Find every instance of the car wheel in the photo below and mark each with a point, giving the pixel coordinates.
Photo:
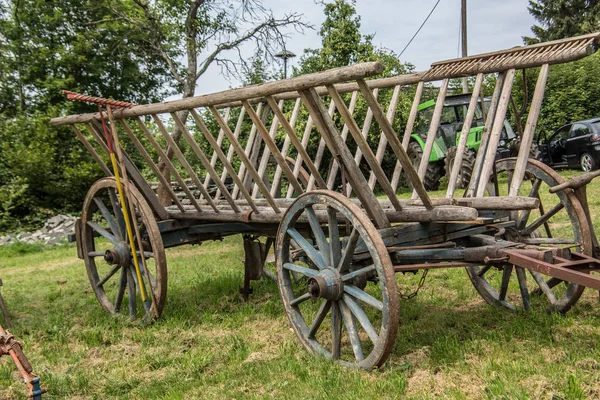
(587, 162)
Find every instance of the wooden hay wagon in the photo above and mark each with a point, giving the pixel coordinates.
(295, 162)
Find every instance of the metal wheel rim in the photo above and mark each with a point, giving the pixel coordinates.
(88, 246)
(578, 222)
(386, 333)
(586, 162)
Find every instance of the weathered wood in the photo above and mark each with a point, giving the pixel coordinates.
(166, 184)
(529, 133)
(298, 162)
(236, 134)
(249, 144)
(464, 134)
(204, 160)
(265, 157)
(92, 151)
(410, 123)
(287, 141)
(213, 158)
(303, 82)
(168, 163)
(335, 166)
(374, 163)
(186, 165)
(432, 133)
(339, 150)
(301, 151)
(244, 157)
(279, 158)
(395, 144)
(490, 154)
(382, 139)
(365, 132)
(485, 135)
(320, 151)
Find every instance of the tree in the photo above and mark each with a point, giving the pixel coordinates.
(190, 36)
(563, 18)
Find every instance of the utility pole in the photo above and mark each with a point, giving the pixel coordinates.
(463, 30)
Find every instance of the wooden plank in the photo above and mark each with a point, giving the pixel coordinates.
(339, 150)
(244, 158)
(204, 160)
(395, 144)
(163, 156)
(382, 139)
(529, 133)
(264, 158)
(410, 123)
(226, 163)
(166, 184)
(432, 133)
(364, 146)
(490, 154)
(485, 136)
(464, 135)
(296, 142)
(287, 141)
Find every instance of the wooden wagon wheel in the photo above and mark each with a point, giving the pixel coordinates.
(560, 221)
(108, 257)
(361, 299)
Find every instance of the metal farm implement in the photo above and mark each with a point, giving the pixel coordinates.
(523, 233)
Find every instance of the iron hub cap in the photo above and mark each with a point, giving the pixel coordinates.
(327, 284)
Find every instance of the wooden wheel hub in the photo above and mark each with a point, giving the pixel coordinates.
(326, 285)
(118, 255)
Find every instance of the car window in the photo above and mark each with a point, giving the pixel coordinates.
(596, 126)
(562, 133)
(579, 130)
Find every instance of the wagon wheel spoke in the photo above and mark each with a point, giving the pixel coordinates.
(358, 272)
(131, 289)
(121, 290)
(363, 296)
(334, 236)
(362, 318)
(352, 330)
(317, 231)
(96, 253)
(118, 212)
(112, 223)
(506, 273)
(300, 269)
(522, 278)
(543, 286)
(319, 318)
(103, 232)
(524, 215)
(546, 225)
(310, 251)
(483, 270)
(336, 331)
(542, 220)
(349, 251)
(113, 271)
(301, 299)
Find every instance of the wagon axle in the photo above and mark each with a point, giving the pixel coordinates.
(327, 284)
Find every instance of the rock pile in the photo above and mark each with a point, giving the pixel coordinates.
(54, 231)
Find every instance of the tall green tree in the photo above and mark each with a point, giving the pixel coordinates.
(559, 19)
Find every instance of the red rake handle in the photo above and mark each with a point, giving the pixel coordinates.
(97, 100)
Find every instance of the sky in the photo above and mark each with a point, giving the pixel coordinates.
(492, 25)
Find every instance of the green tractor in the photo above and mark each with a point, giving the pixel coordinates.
(446, 141)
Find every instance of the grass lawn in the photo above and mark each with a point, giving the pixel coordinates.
(211, 344)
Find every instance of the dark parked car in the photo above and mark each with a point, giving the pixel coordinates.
(576, 145)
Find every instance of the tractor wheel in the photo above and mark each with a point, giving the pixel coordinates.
(434, 170)
(466, 169)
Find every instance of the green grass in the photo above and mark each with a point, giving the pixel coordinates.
(211, 344)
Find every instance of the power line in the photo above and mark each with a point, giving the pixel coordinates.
(419, 30)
